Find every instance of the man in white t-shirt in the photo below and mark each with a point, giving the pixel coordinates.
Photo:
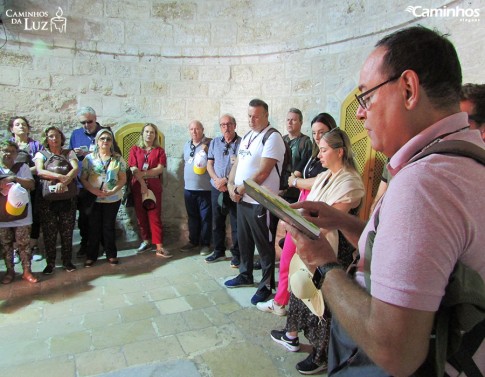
(255, 225)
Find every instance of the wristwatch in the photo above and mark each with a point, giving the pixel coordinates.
(321, 271)
(295, 181)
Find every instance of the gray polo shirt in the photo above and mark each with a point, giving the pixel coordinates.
(192, 181)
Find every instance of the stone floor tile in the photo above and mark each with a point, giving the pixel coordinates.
(138, 311)
(220, 296)
(215, 316)
(95, 320)
(23, 350)
(169, 324)
(185, 289)
(69, 344)
(52, 367)
(198, 301)
(58, 326)
(162, 293)
(124, 333)
(256, 362)
(100, 361)
(196, 319)
(153, 350)
(173, 305)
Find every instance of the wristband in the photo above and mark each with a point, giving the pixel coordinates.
(321, 271)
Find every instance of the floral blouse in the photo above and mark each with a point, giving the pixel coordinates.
(104, 174)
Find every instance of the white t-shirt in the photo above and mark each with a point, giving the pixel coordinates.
(249, 156)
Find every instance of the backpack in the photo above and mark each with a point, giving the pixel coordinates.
(61, 165)
(286, 168)
(459, 326)
(4, 215)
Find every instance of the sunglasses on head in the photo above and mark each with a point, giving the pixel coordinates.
(86, 121)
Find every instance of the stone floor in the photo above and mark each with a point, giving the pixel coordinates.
(148, 316)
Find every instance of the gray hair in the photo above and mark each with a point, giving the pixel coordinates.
(86, 110)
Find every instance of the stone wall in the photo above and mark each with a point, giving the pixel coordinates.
(168, 62)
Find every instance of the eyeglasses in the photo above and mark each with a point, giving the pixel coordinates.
(192, 149)
(363, 102)
(83, 122)
(226, 124)
(105, 139)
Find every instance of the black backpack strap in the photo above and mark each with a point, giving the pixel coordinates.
(16, 167)
(454, 147)
(265, 137)
(462, 360)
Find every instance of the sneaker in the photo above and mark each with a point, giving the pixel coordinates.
(82, 252)
(235, 262)
(113, 261)
(16, 259)
(204, 250)
(215, 257)
(89, 263)
(48, 270)
(69, 267)
(257, 265)
(307, 366)
(237, 282)
(163, 253)
(188, 247)
(144, 246)
(36, 255)
(271, 307)
(260, 295)
(279, 336)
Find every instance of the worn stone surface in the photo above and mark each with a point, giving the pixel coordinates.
(169, 62)
(144, 317)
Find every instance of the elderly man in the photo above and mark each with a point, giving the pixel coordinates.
(222, 155)
(197, 190)
(255, 225)
(301, 149)
(428, 220)
(82, 142)
(473, 102)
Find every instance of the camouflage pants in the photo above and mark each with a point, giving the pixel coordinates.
(21, 236)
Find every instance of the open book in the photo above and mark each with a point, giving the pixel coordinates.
(281, 208)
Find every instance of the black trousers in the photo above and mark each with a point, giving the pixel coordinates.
(256, 226)
(102, 221)
(219, 225)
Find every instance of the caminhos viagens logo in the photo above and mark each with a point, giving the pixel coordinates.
(464, 14)
(38, 21)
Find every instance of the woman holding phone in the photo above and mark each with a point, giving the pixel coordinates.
(103, 175)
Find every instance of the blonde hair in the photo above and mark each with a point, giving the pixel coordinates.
(141, 142)
(337, 138)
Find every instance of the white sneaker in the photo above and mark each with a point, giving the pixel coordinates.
(16, 259)
(271, 307)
